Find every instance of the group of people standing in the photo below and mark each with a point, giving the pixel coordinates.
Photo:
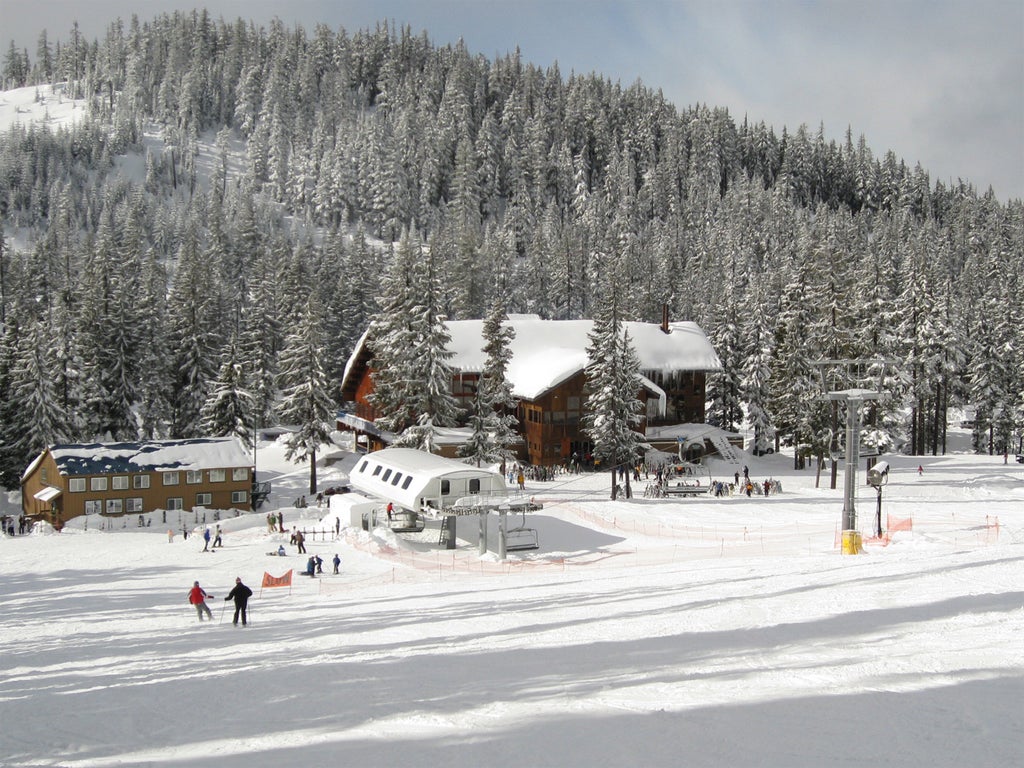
(198, 596)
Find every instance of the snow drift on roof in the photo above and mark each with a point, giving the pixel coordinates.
(150, 456)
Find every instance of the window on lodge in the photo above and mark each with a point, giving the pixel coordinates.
(446, 487)
(464, 387)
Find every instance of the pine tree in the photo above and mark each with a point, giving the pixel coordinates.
(31, 387)
(756, 371)
(228, 411)
(493, 419)
(193, 338)
(305, 400)
(413, 381)
(613, 408)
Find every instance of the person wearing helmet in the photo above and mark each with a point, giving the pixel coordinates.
(197, 596)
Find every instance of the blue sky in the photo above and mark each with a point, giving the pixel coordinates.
(939, 82)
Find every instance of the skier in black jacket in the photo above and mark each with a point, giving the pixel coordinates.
(240, 594)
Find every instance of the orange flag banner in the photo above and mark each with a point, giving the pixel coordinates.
(277, 581)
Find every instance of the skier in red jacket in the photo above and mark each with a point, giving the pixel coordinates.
(197, 596)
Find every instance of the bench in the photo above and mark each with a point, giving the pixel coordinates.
(685, 490)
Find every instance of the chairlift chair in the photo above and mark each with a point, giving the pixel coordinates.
(521, 538)
(405, 521)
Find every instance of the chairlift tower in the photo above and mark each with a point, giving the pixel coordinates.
(854, 398)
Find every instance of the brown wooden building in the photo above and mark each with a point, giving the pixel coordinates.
(116, 479)
(547, 373)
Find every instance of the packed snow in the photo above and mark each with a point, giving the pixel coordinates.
(645, 632)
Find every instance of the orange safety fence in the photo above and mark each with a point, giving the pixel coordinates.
(894, 524)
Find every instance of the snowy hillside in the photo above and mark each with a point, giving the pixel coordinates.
(698, 632)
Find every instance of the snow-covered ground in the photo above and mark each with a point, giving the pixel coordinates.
(695, 632)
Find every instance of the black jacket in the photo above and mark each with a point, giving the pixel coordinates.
(240, 593)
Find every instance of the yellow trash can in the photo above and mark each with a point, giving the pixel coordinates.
(852, 543)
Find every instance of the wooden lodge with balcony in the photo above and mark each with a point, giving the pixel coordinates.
(547, 373)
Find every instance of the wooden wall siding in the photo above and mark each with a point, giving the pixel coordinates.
(550, 425)
(71, 504)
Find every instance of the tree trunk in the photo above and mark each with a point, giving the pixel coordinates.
(312, 473)
(614, 487)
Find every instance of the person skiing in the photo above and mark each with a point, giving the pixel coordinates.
(240, 594)
(206, 540)
(300, 542)
(216, 539)
(197, 596)
(319, 563)
(336, 561)
(310, 568)
(280, 551)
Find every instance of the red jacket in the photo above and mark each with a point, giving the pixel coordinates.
(197, 595)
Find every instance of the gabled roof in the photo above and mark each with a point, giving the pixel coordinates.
(150, 456)
(546, 353)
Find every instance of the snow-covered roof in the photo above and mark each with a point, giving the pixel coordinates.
(547, 352)
(150, 456)
(406, 475)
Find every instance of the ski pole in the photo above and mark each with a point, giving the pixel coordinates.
(222, 608)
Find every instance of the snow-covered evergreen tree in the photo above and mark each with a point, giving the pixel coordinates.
(493, 419)
(305, 401)
(413, 381)
(40, 420)
(228, 411)
(194, 339)
(613, 409)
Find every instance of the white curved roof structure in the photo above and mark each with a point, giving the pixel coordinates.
(413, 479)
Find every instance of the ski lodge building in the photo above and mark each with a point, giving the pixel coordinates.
(547, 374)
(116, 479)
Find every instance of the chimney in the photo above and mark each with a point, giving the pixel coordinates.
(664, 318)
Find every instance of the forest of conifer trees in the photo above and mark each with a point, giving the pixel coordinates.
(282, 169)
